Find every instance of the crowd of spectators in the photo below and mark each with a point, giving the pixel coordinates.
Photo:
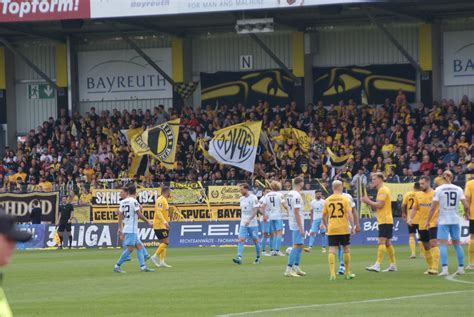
(75, 154)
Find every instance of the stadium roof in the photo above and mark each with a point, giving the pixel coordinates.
(302, 18)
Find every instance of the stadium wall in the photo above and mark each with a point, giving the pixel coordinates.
(363, 45)
(455, 92)
(101, 44)
(32, 112)
(221, 52)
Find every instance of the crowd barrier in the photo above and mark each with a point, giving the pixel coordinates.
(196, 234)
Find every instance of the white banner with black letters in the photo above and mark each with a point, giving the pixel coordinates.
(123, 75)
(458, 58)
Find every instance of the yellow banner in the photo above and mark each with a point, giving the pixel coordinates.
(224, 194)
(397, 190)
(195, 212)
(111, 197)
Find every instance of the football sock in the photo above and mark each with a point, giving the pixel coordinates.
(160, 249)
(311, 241)
(331, 262)
(298, 256)
(411, 243)
(340, 253)
(380, 253)
(347, 262)
(140, 257)
(443, 250)
(324, 240)
(429, 259)
(459, 254)
(435, 254)
(257, 249)
(240, 249)
(125, 254)
(471, 251)
(278, 240)
(391, 254)
(163, 252)
(264, 244)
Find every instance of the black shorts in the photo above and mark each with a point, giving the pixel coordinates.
(64, 226)
(471, 226)
(427, 235)
(413, 228)
(162, 233)
(339, 239)
(386, 230)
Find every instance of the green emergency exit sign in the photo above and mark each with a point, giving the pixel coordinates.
(40, 91)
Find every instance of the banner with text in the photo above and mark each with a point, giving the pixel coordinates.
(36, 10)
(123, 8)
(202, 233)
(20, 205)
(458, 58)
(123, 75)
(224, 194)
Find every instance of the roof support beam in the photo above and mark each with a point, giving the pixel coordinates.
(275, 58)
(394, 41)
(140, 52)
(35, 68)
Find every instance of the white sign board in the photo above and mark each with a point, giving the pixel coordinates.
(458, 58)
(121, 8)
(245, 62)
(123, 75)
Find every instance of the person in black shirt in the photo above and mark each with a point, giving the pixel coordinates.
(65, 215)
(36, 213)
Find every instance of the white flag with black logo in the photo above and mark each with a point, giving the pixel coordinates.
(237, 145)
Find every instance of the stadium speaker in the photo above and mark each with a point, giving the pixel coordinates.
(330, 10)
(72, 24)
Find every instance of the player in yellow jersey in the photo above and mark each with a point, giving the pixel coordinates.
(421, 208)
(337, 216)
(407, 206)
(469, 193)
(161, 226)
(383, 207)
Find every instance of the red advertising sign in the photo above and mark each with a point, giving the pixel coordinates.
(43, 10)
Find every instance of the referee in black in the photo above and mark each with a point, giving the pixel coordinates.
(66, 210)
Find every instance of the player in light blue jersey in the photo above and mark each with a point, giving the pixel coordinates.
(316, 217)
(265, 226)
(273, 204)
(129, 213)
(447, 198)
(145, 251)
(296, 224)
(248, 223)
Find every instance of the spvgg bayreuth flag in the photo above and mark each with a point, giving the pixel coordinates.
(162, 141)
(237, 145)
(159, 141)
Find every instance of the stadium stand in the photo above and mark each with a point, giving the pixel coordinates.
(401, 140)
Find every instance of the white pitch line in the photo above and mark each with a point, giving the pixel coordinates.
(376, 300)
(452, 278)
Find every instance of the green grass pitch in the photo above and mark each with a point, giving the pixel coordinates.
(205, 282)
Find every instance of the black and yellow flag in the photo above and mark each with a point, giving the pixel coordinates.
(159, 142)
(302, 138)
(140, 166)
(338, 161)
